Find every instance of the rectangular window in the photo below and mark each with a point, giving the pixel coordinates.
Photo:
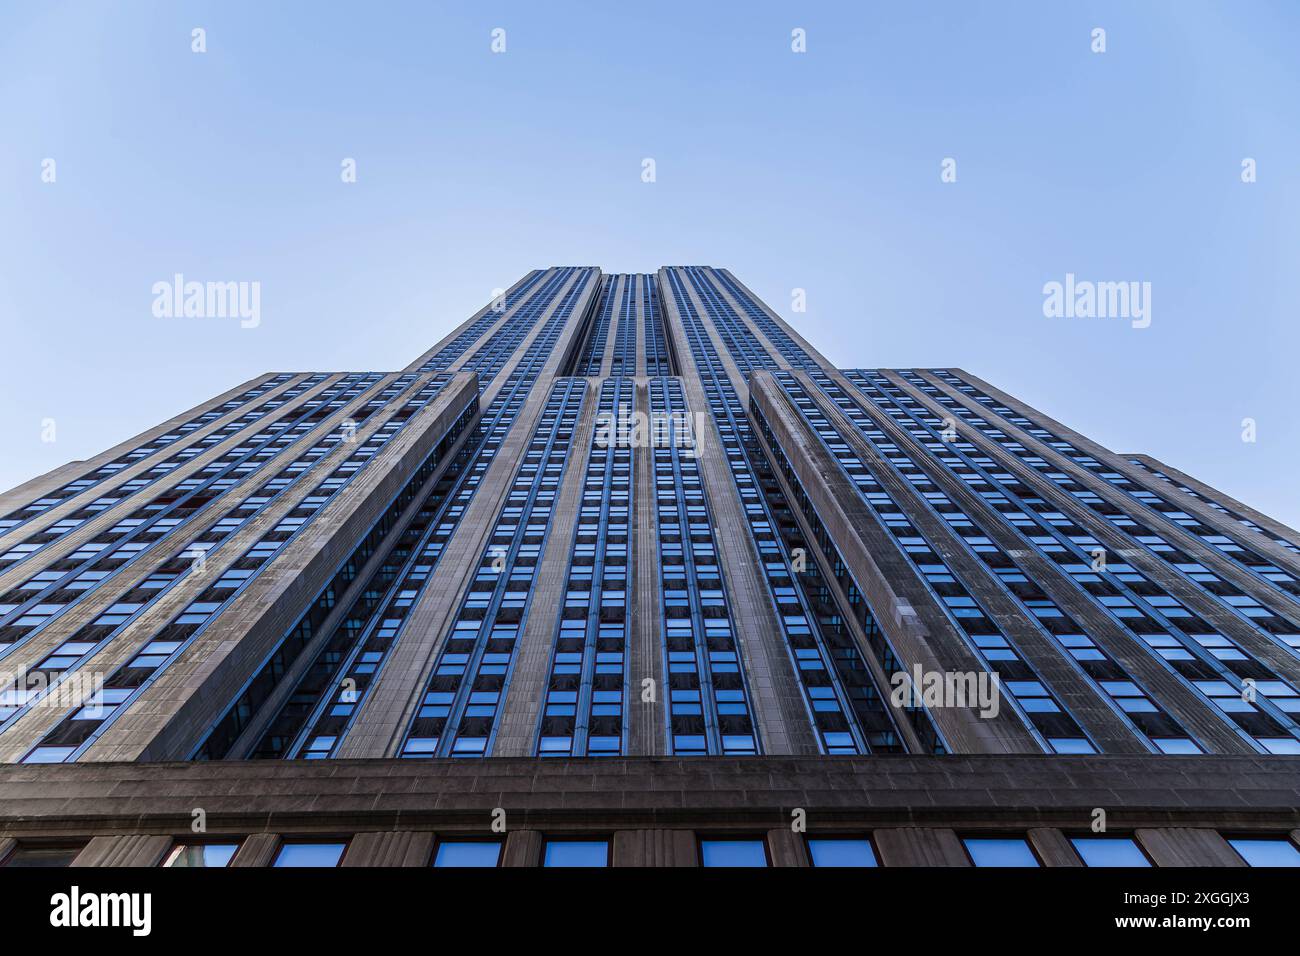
(49, 755)
(466, 853)
(1266, 851)
(576, 853)
(735, 852)
(1109, 851)
(201, 854)
(1000, 851)
(310, 854)
(841, 851)
(43, 855)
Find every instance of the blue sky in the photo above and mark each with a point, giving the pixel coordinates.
(818, 171)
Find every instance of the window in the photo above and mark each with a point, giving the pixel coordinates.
(576, 853)
(1266, 851)
(310, 854)
(468, 853)
(733, 853)
(1000, 851)
(49, 755)
(45, 855)
(1109, 851)
(201, 854)
(1176, 745)
(826, 851)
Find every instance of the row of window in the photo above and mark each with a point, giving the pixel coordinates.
(656, 349)
(708, 700)
(623, 359)
(1096, 851)
(1129, 699)
(492, 356)
(912, 711)
(450, 353)
(80, 727)
(1038, 705)
(200, 547)
(844, 705)
(1255, 564)
(635, 288)
(319, 713)
(714, 851)
(250, 701)
(593, 354)
(1217, 506)
(1211, 663)
(35, 603)
(466, 691)
(71, 489)
(42, 539)
(583, 713)
(1203, 661)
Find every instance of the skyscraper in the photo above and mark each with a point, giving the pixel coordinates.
(624, 571)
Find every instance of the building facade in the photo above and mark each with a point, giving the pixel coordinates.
(623, 570)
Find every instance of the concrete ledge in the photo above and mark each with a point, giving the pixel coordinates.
(838, 793)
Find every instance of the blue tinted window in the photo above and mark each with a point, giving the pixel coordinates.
(201, 854)
(1177, 745)
(1109, 851)
(310, 854)
(733, 853)
(1267, 852)
(49, 755)
(1000, 852)
(467, 853)
(1072, 745)
(841, 852)
(577, 853)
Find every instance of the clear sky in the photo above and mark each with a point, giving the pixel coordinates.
(818, 171)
